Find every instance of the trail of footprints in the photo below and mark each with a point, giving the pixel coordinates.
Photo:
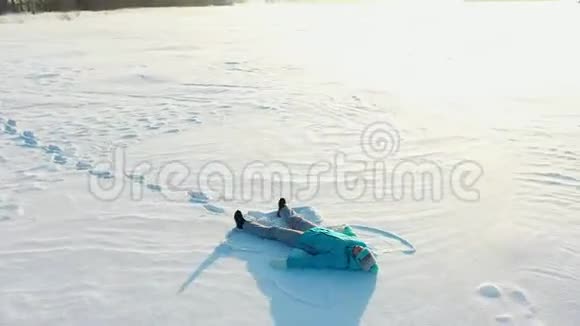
(29, 139)
(513, 305)
(58, 156)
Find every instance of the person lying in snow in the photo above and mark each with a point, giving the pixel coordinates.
(319, 247)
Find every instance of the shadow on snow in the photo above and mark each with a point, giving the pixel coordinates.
(297, 297)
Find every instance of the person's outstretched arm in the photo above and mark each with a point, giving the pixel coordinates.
(303, 259)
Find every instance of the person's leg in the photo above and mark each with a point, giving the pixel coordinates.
(299, 223)
(287, 236)
(295, 222)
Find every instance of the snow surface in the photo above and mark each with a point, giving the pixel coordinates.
(177, 90)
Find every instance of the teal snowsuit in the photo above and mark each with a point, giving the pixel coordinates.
(324, 248)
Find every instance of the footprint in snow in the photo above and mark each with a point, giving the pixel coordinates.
(214, 209)
(154, 187)
(135, 177)
(489, 290)
(83, 165)
(10, 130)
(10, 127)
(30, 142)
(8, 211)
(129, 136)
(101, 174)
(198, 197)
(27, 137)
(520, 310)
(59, 159)
(53, 149)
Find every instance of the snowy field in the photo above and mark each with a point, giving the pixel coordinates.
(128, 138)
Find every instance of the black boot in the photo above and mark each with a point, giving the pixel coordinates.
(281, 204)
(239, 218)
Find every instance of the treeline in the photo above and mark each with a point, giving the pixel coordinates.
(34, 6)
